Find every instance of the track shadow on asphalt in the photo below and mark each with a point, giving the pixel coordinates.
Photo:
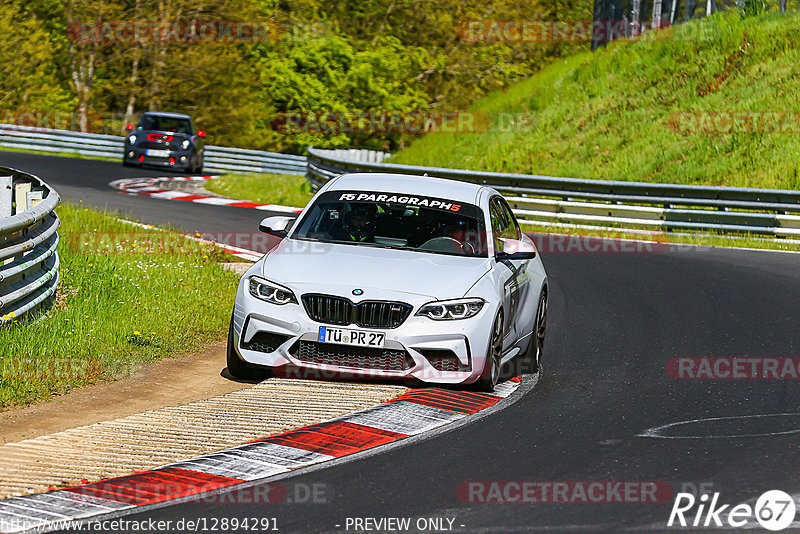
(228, 376)
(507, 372)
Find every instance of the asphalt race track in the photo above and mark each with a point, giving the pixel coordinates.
(615, 321)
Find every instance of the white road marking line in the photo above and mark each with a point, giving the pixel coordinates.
(657, 432)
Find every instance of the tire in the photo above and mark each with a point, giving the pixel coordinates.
(195, 164)
(241, 369)
(491, 369)
(532, 360)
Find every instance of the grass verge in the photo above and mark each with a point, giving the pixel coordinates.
(712, 101)
(127, 296)
(283, 189)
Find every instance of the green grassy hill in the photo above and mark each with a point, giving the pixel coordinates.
(665, 108)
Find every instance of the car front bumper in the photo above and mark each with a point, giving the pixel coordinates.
(445, 352)
(176, 158)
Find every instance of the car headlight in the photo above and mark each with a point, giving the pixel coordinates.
(185, 144)
(447, 310)
(132, 138)
(270, 291)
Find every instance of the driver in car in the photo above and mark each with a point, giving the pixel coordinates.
(462, 237)
(359, 223)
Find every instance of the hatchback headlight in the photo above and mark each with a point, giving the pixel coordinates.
(447, 310)
(132, 138)
(185, 144)
(270, 291)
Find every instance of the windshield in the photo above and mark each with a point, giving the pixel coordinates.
(166, 124)
(395, 220)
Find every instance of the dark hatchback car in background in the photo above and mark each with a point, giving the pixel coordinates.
(164, 140)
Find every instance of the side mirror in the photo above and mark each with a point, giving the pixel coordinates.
(201, 133)
(514, 249)
(277, 226)
(129, 127)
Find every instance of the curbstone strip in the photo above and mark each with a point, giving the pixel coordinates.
(151, 187)
(412, 413)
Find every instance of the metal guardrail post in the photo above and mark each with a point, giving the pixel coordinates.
(28, 244)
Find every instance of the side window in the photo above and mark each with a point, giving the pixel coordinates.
(512, 229)
(496, 215)
(503, 223)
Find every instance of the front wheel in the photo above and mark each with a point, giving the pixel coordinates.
(491, 369)
(532, 360)
(241, 369)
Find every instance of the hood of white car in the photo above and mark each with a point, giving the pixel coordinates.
(312, 267)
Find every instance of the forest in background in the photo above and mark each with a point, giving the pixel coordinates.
(69, 64)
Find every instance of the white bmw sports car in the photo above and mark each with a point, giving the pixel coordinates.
(394, 276)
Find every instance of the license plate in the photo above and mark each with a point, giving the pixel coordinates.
(346, 336)
(156, 153)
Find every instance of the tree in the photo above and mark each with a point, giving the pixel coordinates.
(335, 55)
(29, 75)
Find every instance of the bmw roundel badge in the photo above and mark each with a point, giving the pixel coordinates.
(358, 292)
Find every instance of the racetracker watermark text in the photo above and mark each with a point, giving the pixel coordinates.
(175, 32)
(564, 492)
(30, 370)
(735, 122)
(159, 243)
(48, 120)
(386, 122)
(151, 242)
(733, 368)
(574, 31)
(561, 243)
(126, 491)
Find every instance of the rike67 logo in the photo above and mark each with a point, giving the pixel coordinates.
(774, 510)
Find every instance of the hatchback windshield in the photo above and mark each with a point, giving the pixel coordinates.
(166, 124)
(395, 220)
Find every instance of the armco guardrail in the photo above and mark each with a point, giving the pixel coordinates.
(216, 158)
(28, 243)
(546, 199)
(358, 155)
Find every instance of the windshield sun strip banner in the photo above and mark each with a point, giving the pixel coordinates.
(404, 199)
